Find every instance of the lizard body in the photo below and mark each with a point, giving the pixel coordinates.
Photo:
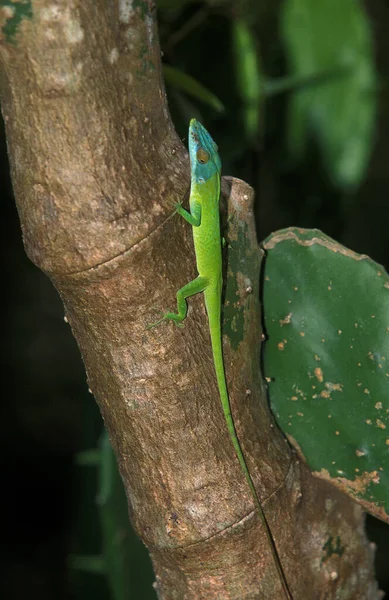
(204, 217)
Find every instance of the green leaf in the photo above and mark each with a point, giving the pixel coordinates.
(280, 85)
(89, 564)
(340, 114)
(191, 86)
(326, 313)
(248, 75)
(88, 458)
(126, 559)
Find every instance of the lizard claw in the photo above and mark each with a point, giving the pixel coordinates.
(166, 317)
(176, 206)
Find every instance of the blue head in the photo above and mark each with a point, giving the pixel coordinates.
(204, 158)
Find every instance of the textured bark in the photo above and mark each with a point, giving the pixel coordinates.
(96, 166)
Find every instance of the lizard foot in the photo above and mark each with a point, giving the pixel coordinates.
(167, 317)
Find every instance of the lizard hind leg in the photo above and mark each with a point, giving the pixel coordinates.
(190, 289)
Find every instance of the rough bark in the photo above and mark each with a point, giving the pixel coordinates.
(96, 166)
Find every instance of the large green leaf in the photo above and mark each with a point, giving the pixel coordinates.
(326, 313)
(320, 37)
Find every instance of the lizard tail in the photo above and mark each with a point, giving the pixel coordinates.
(216, 340)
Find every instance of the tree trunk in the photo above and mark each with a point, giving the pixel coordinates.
(96, 168)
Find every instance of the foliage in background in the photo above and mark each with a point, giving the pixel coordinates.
(331, 80)
(185, 83)
(331, 37)
(120, 546)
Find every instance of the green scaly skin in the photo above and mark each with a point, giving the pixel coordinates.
(205, 220)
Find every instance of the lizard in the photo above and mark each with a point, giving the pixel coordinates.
(204, 217)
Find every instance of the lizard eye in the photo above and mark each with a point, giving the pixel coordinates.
(202, 156)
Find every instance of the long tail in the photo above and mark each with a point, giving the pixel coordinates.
(216, 340)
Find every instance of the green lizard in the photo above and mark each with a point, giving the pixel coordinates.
(204, 217)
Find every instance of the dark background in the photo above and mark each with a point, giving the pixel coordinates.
(47, 501)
